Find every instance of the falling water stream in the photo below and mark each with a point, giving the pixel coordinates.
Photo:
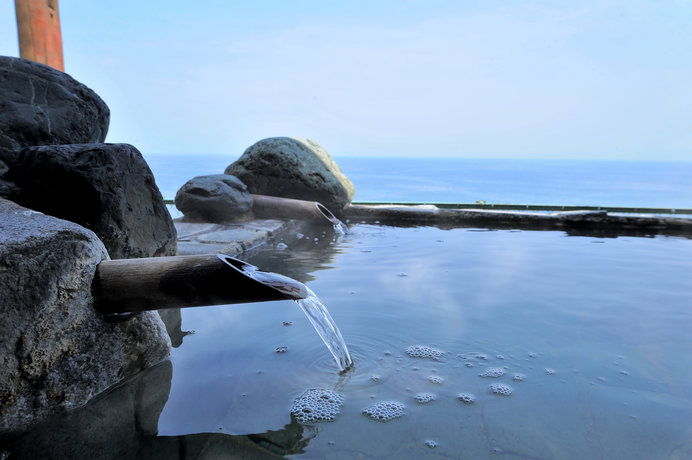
(313, 308)
(327, 329)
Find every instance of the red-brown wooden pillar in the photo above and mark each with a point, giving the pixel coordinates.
(38, 27)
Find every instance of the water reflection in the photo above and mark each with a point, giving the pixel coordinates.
(123, 423)
(299, 253)
(174, 321)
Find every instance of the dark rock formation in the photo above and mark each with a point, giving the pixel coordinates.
(107, 188)
(56, 351)
(214, 198)
(7, 189)
(42, 106)
(293, 168)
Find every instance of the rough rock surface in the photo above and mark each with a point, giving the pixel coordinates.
(215, 198)
(41, 106)
(107, 188)
(7, 189)
(293, 168)
(56, 351)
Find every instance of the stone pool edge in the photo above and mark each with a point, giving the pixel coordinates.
(586, 222)
(238, 238)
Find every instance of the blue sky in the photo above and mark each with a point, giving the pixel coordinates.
(476, 78)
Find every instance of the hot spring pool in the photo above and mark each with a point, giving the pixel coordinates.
(591, 335)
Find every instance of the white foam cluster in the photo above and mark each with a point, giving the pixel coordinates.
(466, 398)
(424, 398)
(317, 405)
(492, 372)
(437, 380)
(501, 389)
(424, 351)
(385, 411)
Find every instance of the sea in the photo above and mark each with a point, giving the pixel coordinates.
(653, 184)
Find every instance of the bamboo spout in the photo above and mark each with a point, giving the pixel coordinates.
(134, 285)
(288, 208)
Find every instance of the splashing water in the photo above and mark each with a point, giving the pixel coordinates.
(327, 329)
(340, 228)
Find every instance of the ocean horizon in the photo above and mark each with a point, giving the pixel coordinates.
(655, 184)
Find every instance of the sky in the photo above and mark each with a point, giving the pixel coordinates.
(435, 78)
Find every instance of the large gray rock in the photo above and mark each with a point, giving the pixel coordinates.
(56, 351)
(107, 188)
(214, 198)
(40, 106)
(293, 168)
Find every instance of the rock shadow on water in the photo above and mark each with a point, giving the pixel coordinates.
(123, 423)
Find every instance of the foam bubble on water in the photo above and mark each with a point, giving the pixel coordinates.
(317, 405)
(375, 378)
(385, 411)
(549, 371)
(466, 398)
(299, 236)
(492, 372)
(281, 246)
(518, 377)
(437, 380)
(431, 444)
(533, 354)
(281, 349)
(424, 398)
(424, 351)
(501, 389)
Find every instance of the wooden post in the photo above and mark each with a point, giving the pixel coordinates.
(38, 28)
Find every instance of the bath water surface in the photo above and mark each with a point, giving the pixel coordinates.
(466, 343)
